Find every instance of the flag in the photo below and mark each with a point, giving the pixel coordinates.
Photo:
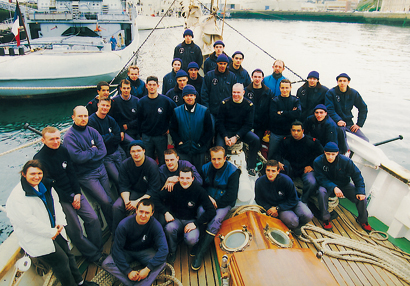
(16, 24)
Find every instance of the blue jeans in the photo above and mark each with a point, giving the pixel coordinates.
(274, 141)
(90, 246)
(142, 256)
(156, 144)
(296, 217)
(174, 230)
(97, 185)
(215, 224)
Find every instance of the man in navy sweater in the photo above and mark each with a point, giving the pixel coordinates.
(111, 134)
(188, 51)
(236, 67)
(139, 237)
(60, 168)
(154, 114)
(234, 123)
(276, 193)
(87, 150)
(333, 174)
(176, 93)
(169, 79)
(139, 179)
(180, 210)
(169, 172)
(103, 91)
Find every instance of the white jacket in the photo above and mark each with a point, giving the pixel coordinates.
(31, 221)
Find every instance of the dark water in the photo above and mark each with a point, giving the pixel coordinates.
(377, 58)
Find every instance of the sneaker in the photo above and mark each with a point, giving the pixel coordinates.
(365, 226)
(252, 172)
(171, 258)
(327, 225)
(100, 261)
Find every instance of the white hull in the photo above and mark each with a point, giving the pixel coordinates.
(150, 22)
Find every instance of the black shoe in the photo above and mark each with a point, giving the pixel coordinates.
(171, 258)
(297, 231)
(100, 261)
(89, 283)
(193, 250)
(207, 239)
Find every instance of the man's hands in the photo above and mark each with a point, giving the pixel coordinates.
(338, 192)
(170, 183)
(139, 275)
(213, 202)
(76, 202)
(190, 226)
(230, 141)
(131, 205)
(59, 229)
(273, 212)
(354, 128)
(308, 169)
(341, 123)
(169, 217)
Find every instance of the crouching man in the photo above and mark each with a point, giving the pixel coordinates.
(276, 193)
(139, 237)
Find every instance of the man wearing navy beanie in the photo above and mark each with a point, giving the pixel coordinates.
(176, 93)
(321, 126)
(188, 51)
(195, 79)
(210, 62)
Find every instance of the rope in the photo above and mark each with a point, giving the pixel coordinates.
(171, 278)
(253, 43)
(245, 208)
(146, 39)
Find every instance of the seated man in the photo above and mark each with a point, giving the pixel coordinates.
(181, 209)
(169, 79)
(299, 151)
(139, 179)
(221, 181)
(60, 168)
(321, 126)
(87, 150)
(176, 93)
(139, 237)
(333, 174)
(111, 134)
(169, 172)
(191, 128)
(235, 121)
(276, 193)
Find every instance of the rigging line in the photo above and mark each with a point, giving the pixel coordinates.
(230, 26)
(146, 39)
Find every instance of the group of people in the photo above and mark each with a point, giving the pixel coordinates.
(173, 193)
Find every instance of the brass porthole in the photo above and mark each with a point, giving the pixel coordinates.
(236, 240)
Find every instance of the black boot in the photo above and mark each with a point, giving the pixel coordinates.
(202, 248)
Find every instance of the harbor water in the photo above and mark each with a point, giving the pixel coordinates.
(376, 57)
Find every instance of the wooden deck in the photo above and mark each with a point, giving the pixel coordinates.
(345, 273)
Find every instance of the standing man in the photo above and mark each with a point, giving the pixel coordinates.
(217, 86)
(87, 150)
(137, 85)
(169, 80)
(57, 162)
(221, 182)
(340, 101)
(195, 79)
(103, 91)
(276, 193)
(334, 173)
(311, 94)
(139, 179)
(180, 211)
(139, 237)
(113, 42)
(299, 151)
(111, 134)
(191, 128)
(321, 126)
(169, 172)
(261, 96)
(124, 111)
(235, 121)
(211, 61)
(236, 67)
(188, 51)
(176, 93)
(273, 81)
(283, 110)
(155, 112)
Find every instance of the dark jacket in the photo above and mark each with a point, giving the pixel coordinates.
(109, 130)
(210, 62)
(188, 53)
(241, 74)
(175, 94)
(261, 118)
(280, 124)
(138, 88)
(325, 130)
(309, 98)
(169, 81)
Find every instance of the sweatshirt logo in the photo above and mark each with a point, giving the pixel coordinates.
(64, 164)
(250, 95)
(176, 98)
(160, 110)
(280, 193)
(181, 50)
(214, 81)
(337, 98)
(303, 92)
(144, 238)
(133, 110)
(191, 204)
(145, 179)
(92, 142)
(326, 168)
(110, 129)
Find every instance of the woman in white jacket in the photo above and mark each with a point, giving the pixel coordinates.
(35, 212)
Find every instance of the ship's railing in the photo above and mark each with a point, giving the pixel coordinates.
(62, 16)
(5, 5)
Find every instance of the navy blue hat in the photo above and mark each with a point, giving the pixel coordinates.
(331, 147)
(343, 75)
(321, 106)
(189, 33)
(188, 89)
(176, 59)
(137, 143)
(222, 58)
(258, 70)
(238, 53)
(219, 43)
(181, 73)
(193, 65)
(313, 74)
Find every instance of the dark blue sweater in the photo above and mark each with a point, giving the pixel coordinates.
(125, 111)
(280, 193)
(280, 124)
(109, 130)
(325, 130)
(261, 103)
(154, 115)
(175, 94)
(188, 53)
(309, 98)
(169, 81)
(241, 75)
(131, 236)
